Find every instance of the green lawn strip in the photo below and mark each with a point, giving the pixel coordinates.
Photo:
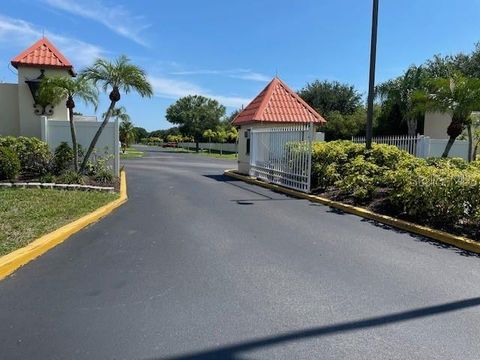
(26, 214)
(131, 153)
(212, 154)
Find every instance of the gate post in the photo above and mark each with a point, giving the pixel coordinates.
(310, 140)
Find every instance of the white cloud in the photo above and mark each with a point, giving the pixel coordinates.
(243, 74)
(23, 33)
(116, 18)
(173, 89)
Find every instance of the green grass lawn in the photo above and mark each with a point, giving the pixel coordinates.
(131, 153)
(212, 154)
(26, 214)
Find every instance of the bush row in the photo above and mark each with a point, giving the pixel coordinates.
(32, 158)
(435, 191)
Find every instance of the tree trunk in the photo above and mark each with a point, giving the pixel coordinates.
(470, 142)
(97, 136)
(73, 133)
(454, 130)
(450, 142)
(412, 126)
(197, 146)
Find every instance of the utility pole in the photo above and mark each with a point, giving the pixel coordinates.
(371, 83)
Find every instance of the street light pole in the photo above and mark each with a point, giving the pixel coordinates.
(371, 83)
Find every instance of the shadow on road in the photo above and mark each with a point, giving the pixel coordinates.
(233, 352)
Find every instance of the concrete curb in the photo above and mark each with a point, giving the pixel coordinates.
(11, 262)
(441, 236)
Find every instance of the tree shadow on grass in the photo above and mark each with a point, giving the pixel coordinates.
(234, 351)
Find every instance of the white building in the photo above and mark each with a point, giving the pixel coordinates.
(20, 115)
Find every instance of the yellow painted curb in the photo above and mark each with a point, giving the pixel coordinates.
(444, 237)
(11, 262)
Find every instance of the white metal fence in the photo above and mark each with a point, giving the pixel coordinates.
(420, 146)
(283, 155)
(403, 142)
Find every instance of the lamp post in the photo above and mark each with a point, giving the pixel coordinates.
(34, 86)
(371, 83)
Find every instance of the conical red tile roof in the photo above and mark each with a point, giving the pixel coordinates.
(42, 54)
(278, 103)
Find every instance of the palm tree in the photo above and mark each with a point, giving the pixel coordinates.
(209, 134)
(116, 76)
(401, 92)
(119, 113)
(458, 95)
(60, 88)
(127, 134)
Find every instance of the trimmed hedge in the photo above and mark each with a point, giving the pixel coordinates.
(443, 192)
(9, 164)
(34, 154)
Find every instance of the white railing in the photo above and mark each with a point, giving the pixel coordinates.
(283, 155)
(419, 145)
(404, 142)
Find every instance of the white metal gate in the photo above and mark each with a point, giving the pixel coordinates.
(283, 155)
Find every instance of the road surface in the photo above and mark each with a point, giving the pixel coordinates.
(199, 266)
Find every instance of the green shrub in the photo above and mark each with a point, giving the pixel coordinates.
(448, 163)
(47, 178)
(437, 195)
(104, 176)
(63, 158)
(34, 155)
(71, 177)
(9, 164)
(331, 161)
(360, 178)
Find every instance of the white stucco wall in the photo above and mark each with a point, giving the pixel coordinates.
(29, 122)
(436, 124)
(9, 118)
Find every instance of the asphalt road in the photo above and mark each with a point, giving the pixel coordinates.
(198, 266)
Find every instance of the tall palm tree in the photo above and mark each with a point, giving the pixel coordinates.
(401, 92)
(458, 95)
(116, 76)
(119, 113)
(127, 134)
(60, 88)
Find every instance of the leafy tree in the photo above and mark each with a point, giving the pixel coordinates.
(140, 133)
(194, 114)
(232, 116)
(326, 96)
(116, 76)
(400, 92)
(458, 95)
(60, 88)
(127, 134)
(345, 126)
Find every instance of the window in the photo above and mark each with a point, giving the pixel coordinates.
(247, 135)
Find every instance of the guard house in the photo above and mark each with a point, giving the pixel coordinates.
(20, 115)
(278, 115)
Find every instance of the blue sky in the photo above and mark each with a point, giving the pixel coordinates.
(230, 49)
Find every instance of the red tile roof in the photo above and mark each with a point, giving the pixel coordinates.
(42, 54)
(278, 103)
